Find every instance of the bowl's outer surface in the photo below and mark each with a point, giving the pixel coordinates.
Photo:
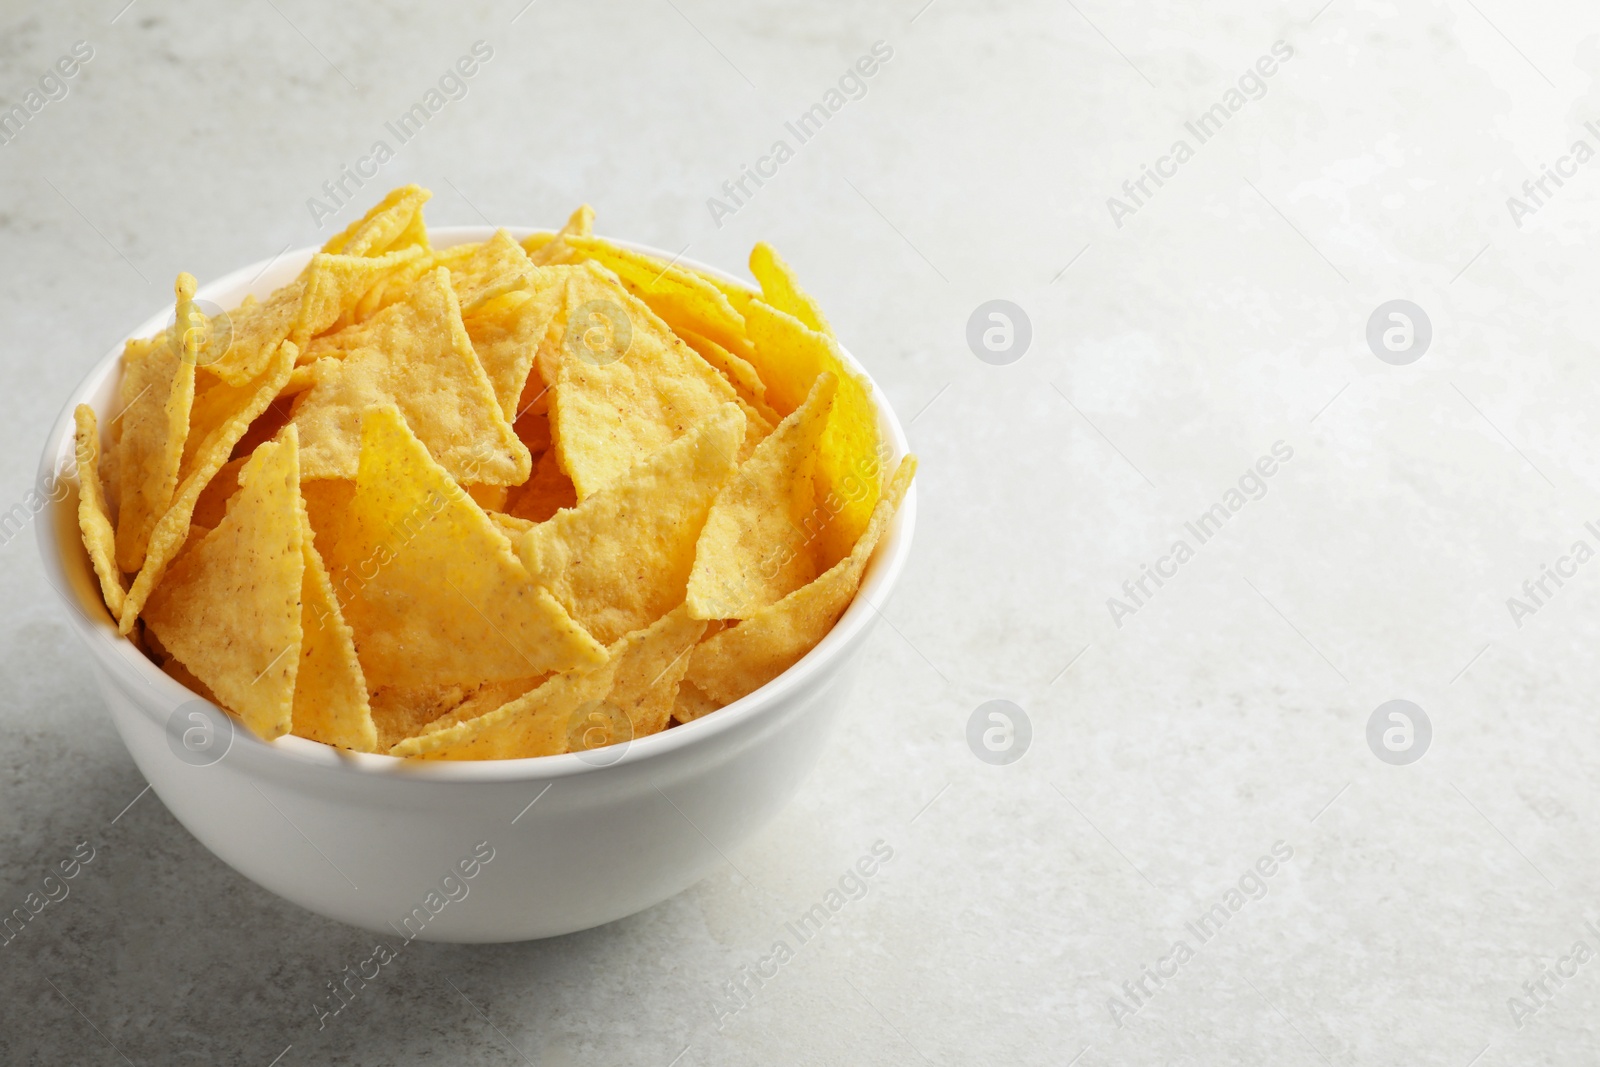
(378, 842)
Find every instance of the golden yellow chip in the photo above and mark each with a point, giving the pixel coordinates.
(789, 356)
(740, 374)
(690, 704)
(94, 520)
(395, 224)
(621, 558)
(546, 492)
(417, 356)
(547, 248)
(685, 300)
(155, 396)
(494, 268)
(506, 333)
(432, 590)
(780, 289)
(330, 693)
(400, 711)
(743, 658)
(228, 415)
(645, 680)
(623, 385)
(212, 504)
(756, 547)
(229, 608)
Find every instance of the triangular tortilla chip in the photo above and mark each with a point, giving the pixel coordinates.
(621, 558)
(506, 333)
(229, 607)
(780, 289)
(547, 248)
(740, 374)
(743, 658)
(432, 590)
(416, 355)
(691, 704)
(757, 544)
(94, 521)
(230, 412)
(629, 696)
(789, 357)
(684, 299)
(154, 398)
(394, 224)
(495, 267)
(330, 693)
(614, 404)
(402, 711)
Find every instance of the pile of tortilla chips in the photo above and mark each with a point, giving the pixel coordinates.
(498, 500)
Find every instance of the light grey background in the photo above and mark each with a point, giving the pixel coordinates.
(1226, 314)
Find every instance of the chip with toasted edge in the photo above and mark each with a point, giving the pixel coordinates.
(690, 704)
(94, 521)
(550, 248)
(330, 693)
(418, 357)
(755, 549)
(780, 288)
(621, 558)
(743, 658)
(400, 711)
(849, 477)
(507, 333)
(644, 682)
(395, 223)
(636, 683)
(545, 493)
(155, 396)
(683, 299)
(617, 399)
(431, 588)
(229, 607)
(216, 445)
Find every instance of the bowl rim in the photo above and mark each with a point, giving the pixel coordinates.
(117, 654)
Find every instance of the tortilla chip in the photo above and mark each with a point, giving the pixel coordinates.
(229, 412)
(613, 410)
(229, 608)
(757, 544)
(432, 590)
(400, 711)
(510, 525)
(212, 503)
(491, 498)
(93, 519)
(545, 493)
(740, 374)
(417, 356)
(743, 658)
(547, 248)
(330, 693)
(780, 289)
(644, 682)
(506, 333)
(394, 224)
(621, 558)
(684, 299)
(494, 268)
(849, 477)
(155, 397)
(691, 704)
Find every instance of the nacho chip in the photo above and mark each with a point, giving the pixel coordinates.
(417, 356)
(684, 299)
(154, 399)
(780, 289)
(229, 413)
(432, 590)
(740, 374)
(621, 558)
(330, 693)
(545, 493)
(756, 548)
(212, 503)
(644, 682)
(229, 608)
(743, 658)
(623, 385)
(789, 356)
(394, 224)
(547, 248)
(507, 332)
(691, 704)
(93, 519)
(401, 711)
(494, 268)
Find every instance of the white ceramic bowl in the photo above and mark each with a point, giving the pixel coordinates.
(385, 844)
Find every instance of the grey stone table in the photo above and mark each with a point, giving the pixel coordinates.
(1200, 858)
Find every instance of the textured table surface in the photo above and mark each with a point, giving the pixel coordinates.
(1184, 740)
